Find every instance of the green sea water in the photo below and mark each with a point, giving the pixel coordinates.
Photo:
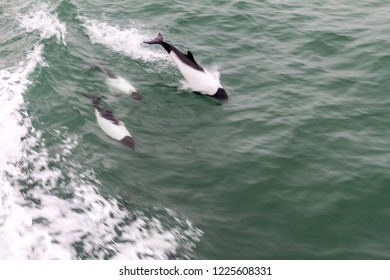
(294, 166)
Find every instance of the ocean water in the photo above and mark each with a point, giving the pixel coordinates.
(294, 166)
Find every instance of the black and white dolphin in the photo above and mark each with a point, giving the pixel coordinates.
(118, 84)
(110, 124)
(200, 80)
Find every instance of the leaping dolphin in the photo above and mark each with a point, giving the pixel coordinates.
(200, 80)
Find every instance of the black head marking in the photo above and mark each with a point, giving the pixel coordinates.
(221, 94)
(128, 141)
(136, 95)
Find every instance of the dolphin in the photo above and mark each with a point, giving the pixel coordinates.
(119, 84)
(110, 124)
(200, 80)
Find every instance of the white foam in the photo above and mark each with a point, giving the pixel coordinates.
(45, 21)
(128, 41)
(41, 225)
(47, 212)
(14, 124)
(98, 226)
(13, 82)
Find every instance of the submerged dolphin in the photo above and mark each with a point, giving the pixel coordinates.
(110, 124)
(118, 84)
(198, 77)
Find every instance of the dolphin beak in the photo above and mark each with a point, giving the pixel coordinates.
(136, 95)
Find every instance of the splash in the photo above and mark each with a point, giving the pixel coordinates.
(13, 83)
(68, 218)
(45, 22)
(14, 125)
(128, 41)
(50, 206)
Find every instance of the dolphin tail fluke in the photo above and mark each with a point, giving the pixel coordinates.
(158, 40)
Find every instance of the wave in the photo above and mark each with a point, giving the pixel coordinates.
(128, 41)
(45, 21)
(48, 212)
(71, 219)
(15, 123)
(50, 205)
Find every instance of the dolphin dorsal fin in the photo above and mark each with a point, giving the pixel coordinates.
(190, 56)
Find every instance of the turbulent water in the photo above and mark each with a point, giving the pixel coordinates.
(294, 166)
